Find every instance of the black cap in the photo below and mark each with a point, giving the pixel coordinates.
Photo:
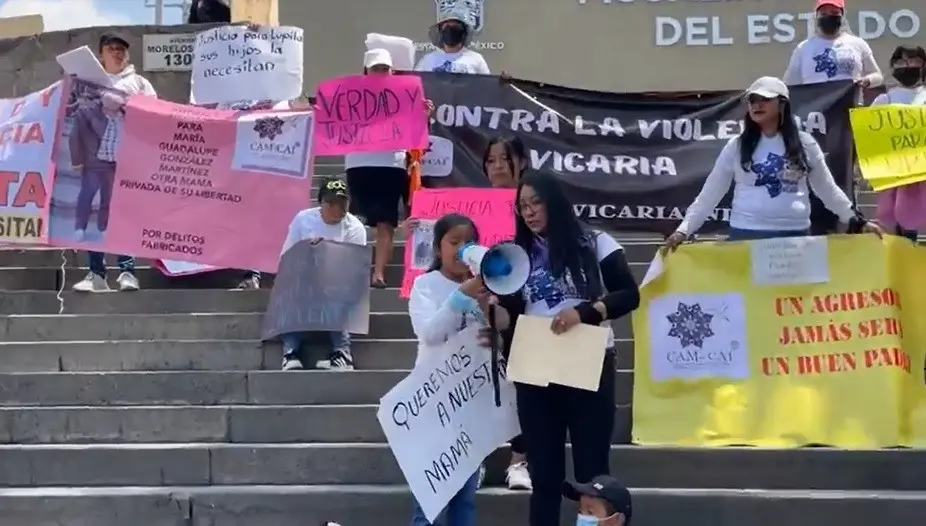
(606, 488)
(113, 38)
(332, 187)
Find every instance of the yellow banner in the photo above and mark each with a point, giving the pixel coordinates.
(891, 142)
(784, 343)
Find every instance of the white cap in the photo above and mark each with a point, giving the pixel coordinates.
(377, 57)
(769, 88)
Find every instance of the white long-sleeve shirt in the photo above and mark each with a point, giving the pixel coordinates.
(309, 224)
(769, 196)
(818, 59)
(439, 310)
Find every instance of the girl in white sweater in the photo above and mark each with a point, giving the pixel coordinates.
(444, 301)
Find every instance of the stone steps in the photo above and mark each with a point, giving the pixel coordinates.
(350, 504)
(372, 463)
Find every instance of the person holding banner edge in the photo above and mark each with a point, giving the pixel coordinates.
(93, 149)
(444, 301)
(451, 35)
(504, 162)
(772, 166)
(834, 53)
(576, 276)
(328, 221)
(378, 181)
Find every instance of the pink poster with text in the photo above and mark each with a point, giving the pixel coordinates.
(492, 209)
(370, 113)
(208, 186)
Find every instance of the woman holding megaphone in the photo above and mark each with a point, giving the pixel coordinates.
(576, 276)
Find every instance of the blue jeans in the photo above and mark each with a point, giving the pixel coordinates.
(340, 342)
(98, 263)
(742, 234)
(461, 510)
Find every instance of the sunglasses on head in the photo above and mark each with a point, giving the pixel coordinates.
(755, 99)
(336, 185)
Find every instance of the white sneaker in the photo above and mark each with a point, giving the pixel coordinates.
(518, 477)
(291, 363)
(127, 282)
(79, 235)
(91, 283)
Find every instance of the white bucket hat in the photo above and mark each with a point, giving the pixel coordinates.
(458, 11)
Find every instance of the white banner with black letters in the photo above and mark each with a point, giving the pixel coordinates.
(441, 421)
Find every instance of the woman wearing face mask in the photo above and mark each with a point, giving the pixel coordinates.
(904, 208)
(833, 53)
(378, 181)
(451, 34)
(772, 166)
(577, 276)
(503, 162)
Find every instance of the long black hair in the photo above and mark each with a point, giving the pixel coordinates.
(570, 246)
(446, 224)
(790, 132)
(514, 148)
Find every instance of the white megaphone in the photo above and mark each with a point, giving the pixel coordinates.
(503, 268)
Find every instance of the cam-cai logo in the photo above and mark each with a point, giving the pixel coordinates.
(475, 13)
(269, 128)
(272, 143)
(438, 160)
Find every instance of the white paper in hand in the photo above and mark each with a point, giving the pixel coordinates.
(790, 261)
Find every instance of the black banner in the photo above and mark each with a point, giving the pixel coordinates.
(631, 162)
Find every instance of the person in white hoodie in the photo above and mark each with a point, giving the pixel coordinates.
(330, 220)
(444, 301)
(98, 166)
(772, 166)
(833, 53)
(451, 35)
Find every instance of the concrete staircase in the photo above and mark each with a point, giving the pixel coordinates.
(160, 408)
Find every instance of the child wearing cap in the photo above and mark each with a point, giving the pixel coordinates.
(328, 221)
(602, 502)
(833, 53)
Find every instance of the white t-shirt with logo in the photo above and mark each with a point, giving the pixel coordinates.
(546, 296)
(770, 195)
(464, 61)
(818, 59)
(309, 224)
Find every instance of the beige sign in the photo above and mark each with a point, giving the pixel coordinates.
(613, 45)
(21, 26)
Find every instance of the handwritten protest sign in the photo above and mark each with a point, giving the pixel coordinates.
(490, 208)
(320, 287)
(238, 63)
(441, 421)
(206, 186)
(891, 144)
(370, 113)
(27, 136)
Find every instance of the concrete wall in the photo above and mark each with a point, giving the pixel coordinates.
(28, 63)
(604, 44)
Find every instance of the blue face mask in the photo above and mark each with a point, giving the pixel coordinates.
(587, 520)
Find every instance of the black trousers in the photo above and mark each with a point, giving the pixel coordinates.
(545, 414)
(909, 234)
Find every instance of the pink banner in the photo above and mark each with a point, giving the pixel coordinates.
(370, 113)
(28, 131)
(490, 208)
(205, 186)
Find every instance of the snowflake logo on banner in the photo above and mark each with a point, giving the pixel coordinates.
(269, 127)
(690, 325)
